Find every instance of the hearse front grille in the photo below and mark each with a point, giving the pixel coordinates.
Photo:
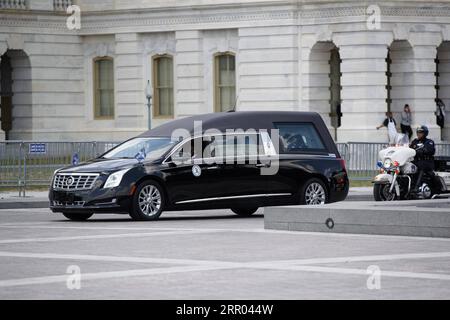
(68, 204)
(74, 181)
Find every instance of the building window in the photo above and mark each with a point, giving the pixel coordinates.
(103, 88)
(224, 82)
(163, 86)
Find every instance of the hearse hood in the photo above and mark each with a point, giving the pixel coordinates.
(101, 165)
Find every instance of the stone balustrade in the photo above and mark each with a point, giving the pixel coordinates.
(14, 4)
(61, 5)
(56, 5)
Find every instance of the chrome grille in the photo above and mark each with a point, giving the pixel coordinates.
(68, 204)
(74, 181)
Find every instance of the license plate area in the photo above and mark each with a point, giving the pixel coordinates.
(64, 197)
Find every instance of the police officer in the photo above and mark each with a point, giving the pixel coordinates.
(424, 159)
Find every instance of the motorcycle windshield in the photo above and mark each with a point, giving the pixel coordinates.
(401, 140)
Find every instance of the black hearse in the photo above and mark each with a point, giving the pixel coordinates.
(235, 160)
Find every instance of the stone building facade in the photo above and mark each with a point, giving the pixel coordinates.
(357, 58)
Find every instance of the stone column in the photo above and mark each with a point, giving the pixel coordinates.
(316, 83)
(131, 112)
(363, 82)
(189, 73)
(424, 91)
(267, 68)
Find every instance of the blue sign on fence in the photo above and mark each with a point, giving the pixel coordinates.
(37, 148)
(75, 159)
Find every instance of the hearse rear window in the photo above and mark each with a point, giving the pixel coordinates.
(299, 137)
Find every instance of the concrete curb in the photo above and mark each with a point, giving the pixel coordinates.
(24, 204)
(423, 218)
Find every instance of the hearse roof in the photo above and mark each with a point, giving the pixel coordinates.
(232, 120)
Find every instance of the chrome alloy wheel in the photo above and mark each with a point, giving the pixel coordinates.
(315, 194)
(149, 200)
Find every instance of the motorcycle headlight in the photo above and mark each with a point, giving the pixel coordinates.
(387, 163)
(115, 178)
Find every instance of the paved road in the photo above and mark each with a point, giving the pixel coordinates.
(209, 255)
(39, 199)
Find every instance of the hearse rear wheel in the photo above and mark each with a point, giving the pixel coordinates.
(244, 212)
(148, 201)
(77, 216)
(313, 192)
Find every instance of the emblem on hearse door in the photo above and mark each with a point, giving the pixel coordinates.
(196, 170)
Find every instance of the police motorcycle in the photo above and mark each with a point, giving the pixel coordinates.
(397, 174)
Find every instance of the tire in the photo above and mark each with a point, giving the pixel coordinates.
(379, 194)
(77, 216)
(148, 201)
(314, 192)
(244, 212)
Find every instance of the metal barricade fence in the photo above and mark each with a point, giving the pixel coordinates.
(361, 157)
(30, 164)
(443, 149)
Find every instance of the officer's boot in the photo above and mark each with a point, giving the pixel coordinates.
(415, 189)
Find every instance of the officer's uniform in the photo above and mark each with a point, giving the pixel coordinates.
(424, 159)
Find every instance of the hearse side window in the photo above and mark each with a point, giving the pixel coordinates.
(240, 145)
(299, 137)
(221, 146)
(193, 148)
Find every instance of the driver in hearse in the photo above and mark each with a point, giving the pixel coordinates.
(424, 159)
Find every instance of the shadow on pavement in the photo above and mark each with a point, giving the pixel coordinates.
(166, 218)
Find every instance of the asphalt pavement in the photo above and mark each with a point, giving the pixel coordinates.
(209, 255)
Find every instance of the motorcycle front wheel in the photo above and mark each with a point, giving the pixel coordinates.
(381, 192)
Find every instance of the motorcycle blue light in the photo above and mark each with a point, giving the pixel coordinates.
(379, 164)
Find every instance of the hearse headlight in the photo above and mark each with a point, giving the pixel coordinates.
(387, 163)
(54, 174)
(115, 178)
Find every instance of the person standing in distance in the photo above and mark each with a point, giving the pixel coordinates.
(405, 124)
(391, 125)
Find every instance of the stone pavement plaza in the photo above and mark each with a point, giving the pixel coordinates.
(209, 255)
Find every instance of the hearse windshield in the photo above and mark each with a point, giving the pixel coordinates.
(141, 148)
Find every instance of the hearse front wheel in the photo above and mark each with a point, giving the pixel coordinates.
(244, 212)
(313, 192)
(77, 216)
(148, 201)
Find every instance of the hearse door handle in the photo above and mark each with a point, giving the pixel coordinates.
(263, 165)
